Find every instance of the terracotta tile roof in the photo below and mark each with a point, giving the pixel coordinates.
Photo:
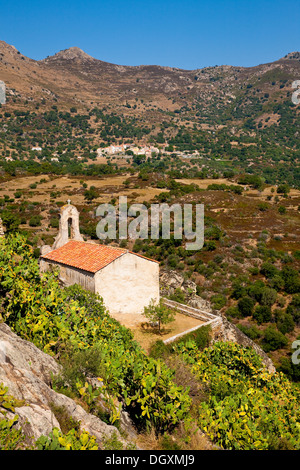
(87, 256)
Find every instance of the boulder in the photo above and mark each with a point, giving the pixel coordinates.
(27, 371)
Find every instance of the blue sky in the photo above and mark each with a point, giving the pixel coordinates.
(186, 34)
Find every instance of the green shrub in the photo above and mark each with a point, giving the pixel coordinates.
(268, 296)
(233, 312)
(268, 270)
(201, 337)
(35, 221)
(158, 350)
(294, 308)
(282, 210)
(178, 296)
(73, 440)
(218, 301)
(112, 442)
(273, 339)
(291, 280)
(291, 370)
(251, 331)
(245, 306)
(54, 223)
(247, 407)
(262, 314)
(63, 322)
(285, 322)
(11, 221)
(11, 438)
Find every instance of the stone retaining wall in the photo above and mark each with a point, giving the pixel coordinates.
(222, 329)
(206, 317)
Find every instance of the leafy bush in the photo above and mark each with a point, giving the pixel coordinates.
(54, 222)
(247, 407)
(268, 270)
(233, 312)
(291, 370)
(35, 221)
(285, 322)
(178, 296)
(251, 331)
(73, 440)
(66, 321)
(200, 337)
(218, 301)
(294, 308)
(268, 296)
(158, 350)
(262, 314)
(273, 339)
(291, 280)
(10, 221)
(11, 437)
(245, 306)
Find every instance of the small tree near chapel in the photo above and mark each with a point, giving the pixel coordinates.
(159, 313)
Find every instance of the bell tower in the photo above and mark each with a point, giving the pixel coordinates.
(68, 226)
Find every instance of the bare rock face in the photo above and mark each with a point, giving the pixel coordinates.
(292, 56)
(26, 371)
(197, 302)
(73, 53)
(172, 280)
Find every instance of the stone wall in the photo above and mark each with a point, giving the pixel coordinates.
(205, 317)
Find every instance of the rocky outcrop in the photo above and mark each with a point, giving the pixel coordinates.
(171, 280)
(226, 331)
(26, 371)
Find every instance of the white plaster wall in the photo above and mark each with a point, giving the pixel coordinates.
(128, 284)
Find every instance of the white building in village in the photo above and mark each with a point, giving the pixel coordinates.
(2, 92)
(126, 281)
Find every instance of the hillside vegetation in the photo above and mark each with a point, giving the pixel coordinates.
(242, 406)
(226, 137)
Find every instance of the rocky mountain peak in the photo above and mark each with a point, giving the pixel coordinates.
(73, 53)
(292, 55)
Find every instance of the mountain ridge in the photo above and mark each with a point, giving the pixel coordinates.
(209, 96)
(75, 52)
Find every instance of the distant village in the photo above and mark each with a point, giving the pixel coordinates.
(127, 151)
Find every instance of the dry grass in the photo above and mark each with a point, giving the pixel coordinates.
(70, 187)
(182, 438)
(204, 183)
(146, 335)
